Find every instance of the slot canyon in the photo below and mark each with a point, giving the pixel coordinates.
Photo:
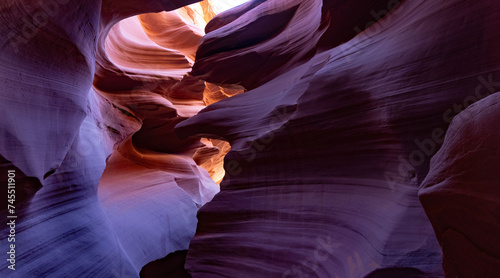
(250, 139)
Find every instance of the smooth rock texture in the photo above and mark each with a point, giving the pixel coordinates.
(47, 67)
(265, 37)
(318, 119)
(461, 192)
(326, 158)
(271, 37)
(63, 230)
(58, 133)
(151, 187)
(151, 214)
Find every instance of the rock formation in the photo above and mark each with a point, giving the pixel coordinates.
(318, 119)
(327, 156)
(460, 193)
(59, 131)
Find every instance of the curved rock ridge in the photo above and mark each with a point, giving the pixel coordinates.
(460, 193)
(151, 208)
(170, 31)
(227, 17)
(58, 132)
(105, 122)
(270, 38)
(266, 37)
(36, 53)
(129, 47)
(163, 182)
(158, 101)
(65, 217)
(326, 159)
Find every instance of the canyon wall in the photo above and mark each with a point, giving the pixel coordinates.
(59, 132)
(319, 120)
(460, 193)
(327, 155)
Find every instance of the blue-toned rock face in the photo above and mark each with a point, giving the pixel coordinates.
(59, 133)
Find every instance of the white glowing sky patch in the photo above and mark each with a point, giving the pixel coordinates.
(224, 5)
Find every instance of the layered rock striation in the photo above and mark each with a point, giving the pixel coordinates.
(120, 118)
(327, 155)
(83, 90)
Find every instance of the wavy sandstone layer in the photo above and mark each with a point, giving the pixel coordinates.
(326, 158)
(60, 133)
